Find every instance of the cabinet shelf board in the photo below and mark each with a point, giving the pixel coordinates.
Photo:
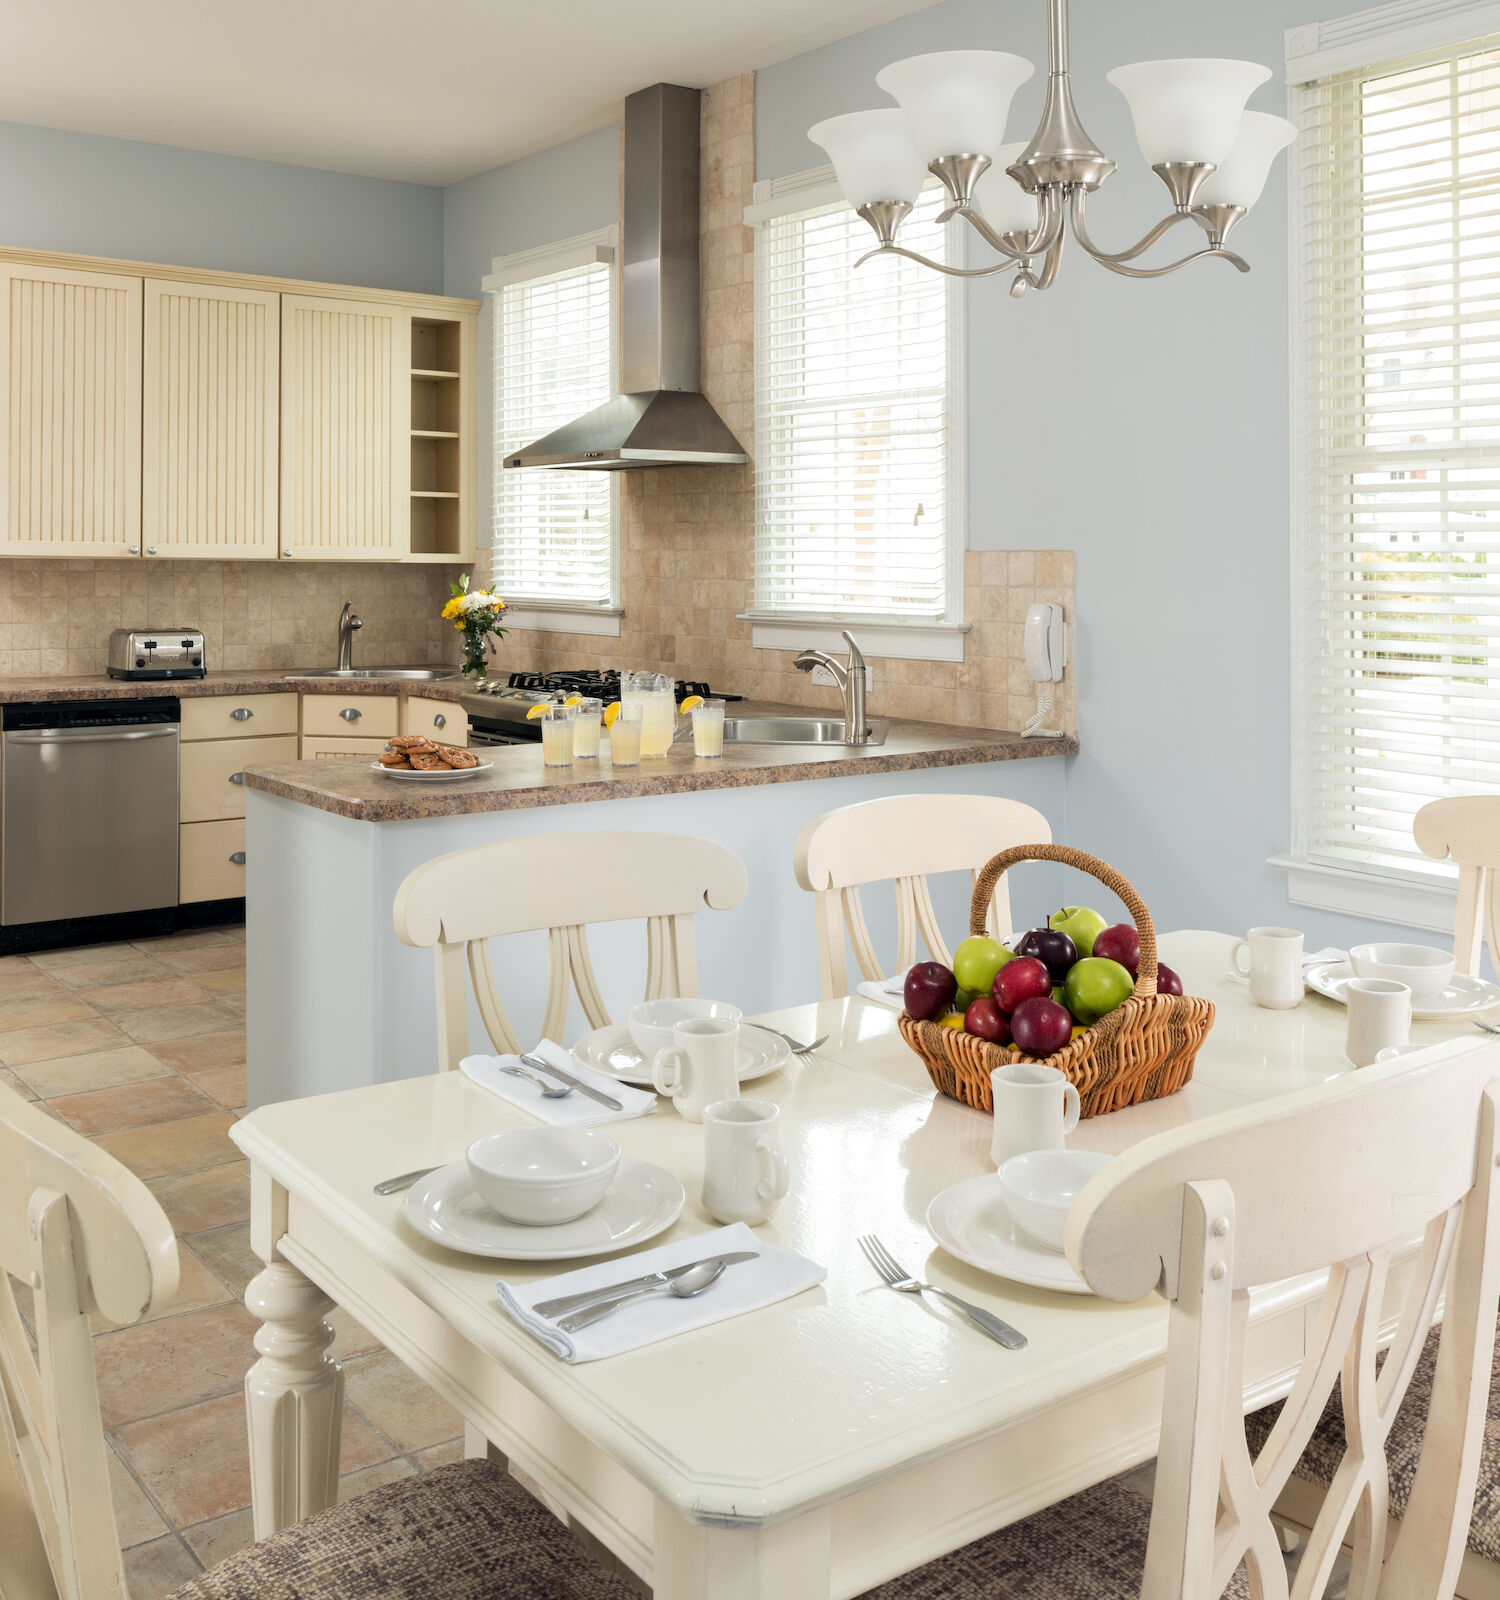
(431, 372)
(434, 494)
(432, 433)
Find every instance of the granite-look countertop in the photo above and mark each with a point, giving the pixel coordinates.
(518, 779)
(263, 680)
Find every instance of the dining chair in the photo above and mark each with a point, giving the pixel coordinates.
(1303, 1183)
(559, 883)
(902, 838)
(1466, 829)
(87, 1235)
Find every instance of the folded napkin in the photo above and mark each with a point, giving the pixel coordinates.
(575, 1109)
(747, 1286)
(1310, 959)
(885, 992)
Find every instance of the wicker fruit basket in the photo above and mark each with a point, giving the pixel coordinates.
(1142, 1050)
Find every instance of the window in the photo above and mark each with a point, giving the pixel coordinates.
(855, 457)
(554, 532)
(1396, 455)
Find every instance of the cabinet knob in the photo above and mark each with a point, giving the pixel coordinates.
(238, 858)
(242, 713)
(440, 721)
(287, 551)
(237, 777)
(349, 714)
(150, 549)
(135, 549)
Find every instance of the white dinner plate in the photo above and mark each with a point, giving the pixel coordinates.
(446, 775)
(612, 1050)
(643, 1200)
(1463, 996)
(971, 1221)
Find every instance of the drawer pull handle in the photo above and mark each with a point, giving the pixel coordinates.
(349, 714)
(440, 721)
(237, 777)
(241, 714)
(135, 549)
(238, 858)
(287, 551)
(150, 549)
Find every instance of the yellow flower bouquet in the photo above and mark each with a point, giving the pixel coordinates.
(475, 613)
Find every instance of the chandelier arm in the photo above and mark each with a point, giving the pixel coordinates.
(1048, 231)
(1140, 247)
(1115, 263)
(938, 266)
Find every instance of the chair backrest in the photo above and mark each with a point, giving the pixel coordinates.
(903, 838)
(1466, 829)
(1330, 1178)
(560, 882)
(85, 1234)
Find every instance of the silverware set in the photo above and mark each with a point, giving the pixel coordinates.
(897, 1277)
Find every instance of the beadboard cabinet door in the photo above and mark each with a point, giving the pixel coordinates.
(70, 412)
(345, 429)
(210, 465)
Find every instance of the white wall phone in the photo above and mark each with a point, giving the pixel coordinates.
(1046, 643)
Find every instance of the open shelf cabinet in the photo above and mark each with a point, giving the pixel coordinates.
(442, 446)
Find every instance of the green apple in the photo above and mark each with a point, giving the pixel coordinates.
(977, 960)
(964, 998)
(1082, 924)
(1095, 986)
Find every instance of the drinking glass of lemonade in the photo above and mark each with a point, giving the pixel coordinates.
(557, 736)
(708, 728)
(625, 737)
(586, 714)
(655, 694)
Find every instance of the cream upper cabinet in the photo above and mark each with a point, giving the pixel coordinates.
(345, 429)
(210, 419)
(70, 412)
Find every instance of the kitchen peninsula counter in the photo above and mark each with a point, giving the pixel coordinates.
(260, 680)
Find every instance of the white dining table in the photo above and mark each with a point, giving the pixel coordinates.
(810, 1449)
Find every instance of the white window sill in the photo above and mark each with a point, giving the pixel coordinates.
(878, 636)
(560, 616)
(1382, 898)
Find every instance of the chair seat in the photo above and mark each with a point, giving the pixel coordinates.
(1092, 1547)
(463, 1532)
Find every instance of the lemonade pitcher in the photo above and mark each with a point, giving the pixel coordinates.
(654, 693)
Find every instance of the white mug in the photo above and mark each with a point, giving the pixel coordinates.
(1379, 1018)
(701, 1065)
(744, 1168)
(1274, 967)
(1035, 1108)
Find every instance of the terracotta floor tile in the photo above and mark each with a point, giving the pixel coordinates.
(156, 1569)
(440, 1455)
(123, 965)
(230, 981)
(225, 1084)
(227, 1253)
(27, 1045)
(207, 958)
(36, 1011)
(175, 1362)
(203, 1054)
(11, 1081)
(135, 1517)
(398, 1402)
(151, 994)
(211, 1198)
(76, 956)
(212, 1541)
(197, 1287)
(350, 1338)
(25, 981)
(170, 1147)
(353, 1484)
(190, 939)
(100, 1069)
(172, 1022)
(132, 1105)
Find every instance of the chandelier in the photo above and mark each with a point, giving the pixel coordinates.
(1023, 199)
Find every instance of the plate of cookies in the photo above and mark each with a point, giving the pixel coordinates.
(416, 757)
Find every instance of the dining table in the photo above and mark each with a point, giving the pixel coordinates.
(813, 1448)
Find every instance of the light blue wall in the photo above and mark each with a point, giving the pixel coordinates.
(148, 202)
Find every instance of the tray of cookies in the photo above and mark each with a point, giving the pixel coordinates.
(415, 757)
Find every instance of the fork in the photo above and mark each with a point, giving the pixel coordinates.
(1485, 1025)
(798, 1049)
(897, 1277)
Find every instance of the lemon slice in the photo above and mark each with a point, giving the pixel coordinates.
(611, 711)
(538, 709)
(572, 699)
(688, 704)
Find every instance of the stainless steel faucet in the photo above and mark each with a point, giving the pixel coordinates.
(349, 625)
(850, 678)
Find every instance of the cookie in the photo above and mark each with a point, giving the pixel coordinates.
(396, 759)
(409, 742)
(459, 760)
(428, 761)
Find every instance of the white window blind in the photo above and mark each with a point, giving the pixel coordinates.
(1397, 451)
(554, 531)
(852, 416)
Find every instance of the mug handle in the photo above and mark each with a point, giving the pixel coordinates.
(1234, 958)
(672, 1057)
(1071, 1108)
(774, 1186)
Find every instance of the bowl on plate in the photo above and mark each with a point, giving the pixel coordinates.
(1041, 1186)
(1423, 969)
(543, 1176)
(651, 1022)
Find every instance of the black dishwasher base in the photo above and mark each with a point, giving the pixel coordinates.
(119, 927)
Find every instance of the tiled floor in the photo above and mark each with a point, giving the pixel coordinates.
(142, 1048)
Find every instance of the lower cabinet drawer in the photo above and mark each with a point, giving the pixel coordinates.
(207, 774)
(439, 720)
(341, 716)
(211, 860)
(237, 716)
(336, 749)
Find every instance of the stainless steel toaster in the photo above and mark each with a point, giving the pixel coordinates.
(156, 653)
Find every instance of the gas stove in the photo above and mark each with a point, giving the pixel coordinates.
(497, 711)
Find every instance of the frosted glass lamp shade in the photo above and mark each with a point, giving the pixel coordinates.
(1004, 204)
(1243, 172)
(873, 156)
(1187, 110)
(955, 101)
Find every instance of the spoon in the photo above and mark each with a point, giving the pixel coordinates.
(550, 1091)
(692, 1282)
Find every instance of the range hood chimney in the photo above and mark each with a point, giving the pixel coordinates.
(662, 419)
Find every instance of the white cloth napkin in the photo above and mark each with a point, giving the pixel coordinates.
(1310, 959)
(747, 1286)
(575, 1109)
(885, 992)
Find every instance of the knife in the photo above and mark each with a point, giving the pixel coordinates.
(577, 1083)
(575, 1302)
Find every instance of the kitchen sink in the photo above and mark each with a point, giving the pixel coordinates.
(791, 730)
(407, 674)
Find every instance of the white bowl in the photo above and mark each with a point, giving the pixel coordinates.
(1040, 1187)
(542, 1176)
(651, 1022)
(1423, 969)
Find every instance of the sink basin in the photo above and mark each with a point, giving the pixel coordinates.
(409, 674)
(791, 730)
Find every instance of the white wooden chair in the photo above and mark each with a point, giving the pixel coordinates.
(1327, 1178)
(560, 882)
(902, 838)
(1466, 829)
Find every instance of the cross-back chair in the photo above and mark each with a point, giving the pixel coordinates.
(560, 883)
(902, 838)
(1466, 829)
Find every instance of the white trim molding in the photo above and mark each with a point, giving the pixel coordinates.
(1365, 38)
(878, 636)
(1377, 896)
(559, 616)
(582, 250)
(799, 191)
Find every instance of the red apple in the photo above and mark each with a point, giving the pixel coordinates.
(1120, 943)
(1167, 981)
(1025, 978)
(1056, 949)
(1041, 1027)
(930, 986)
(986, 1020)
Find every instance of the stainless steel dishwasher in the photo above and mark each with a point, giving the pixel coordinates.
(88, 809)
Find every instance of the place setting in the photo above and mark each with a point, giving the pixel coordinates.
(627, 1051)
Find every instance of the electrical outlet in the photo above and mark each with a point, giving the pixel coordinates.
(824, 676)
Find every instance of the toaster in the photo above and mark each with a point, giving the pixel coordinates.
(156, 653)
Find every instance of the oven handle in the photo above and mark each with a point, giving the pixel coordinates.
(89, 735)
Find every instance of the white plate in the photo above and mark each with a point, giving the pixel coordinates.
(612, 1050)
(1463, 996)
(971, 1221)
(643, 1201)
(445, 776)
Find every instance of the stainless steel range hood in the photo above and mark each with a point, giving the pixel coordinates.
(661, 420)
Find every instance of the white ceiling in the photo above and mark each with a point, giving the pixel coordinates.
(431, 92)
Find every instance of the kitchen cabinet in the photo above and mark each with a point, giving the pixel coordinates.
(238, 716)
(441, 720)
(211, 861)
(209, 774)
(320, 749)
(340, 716)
